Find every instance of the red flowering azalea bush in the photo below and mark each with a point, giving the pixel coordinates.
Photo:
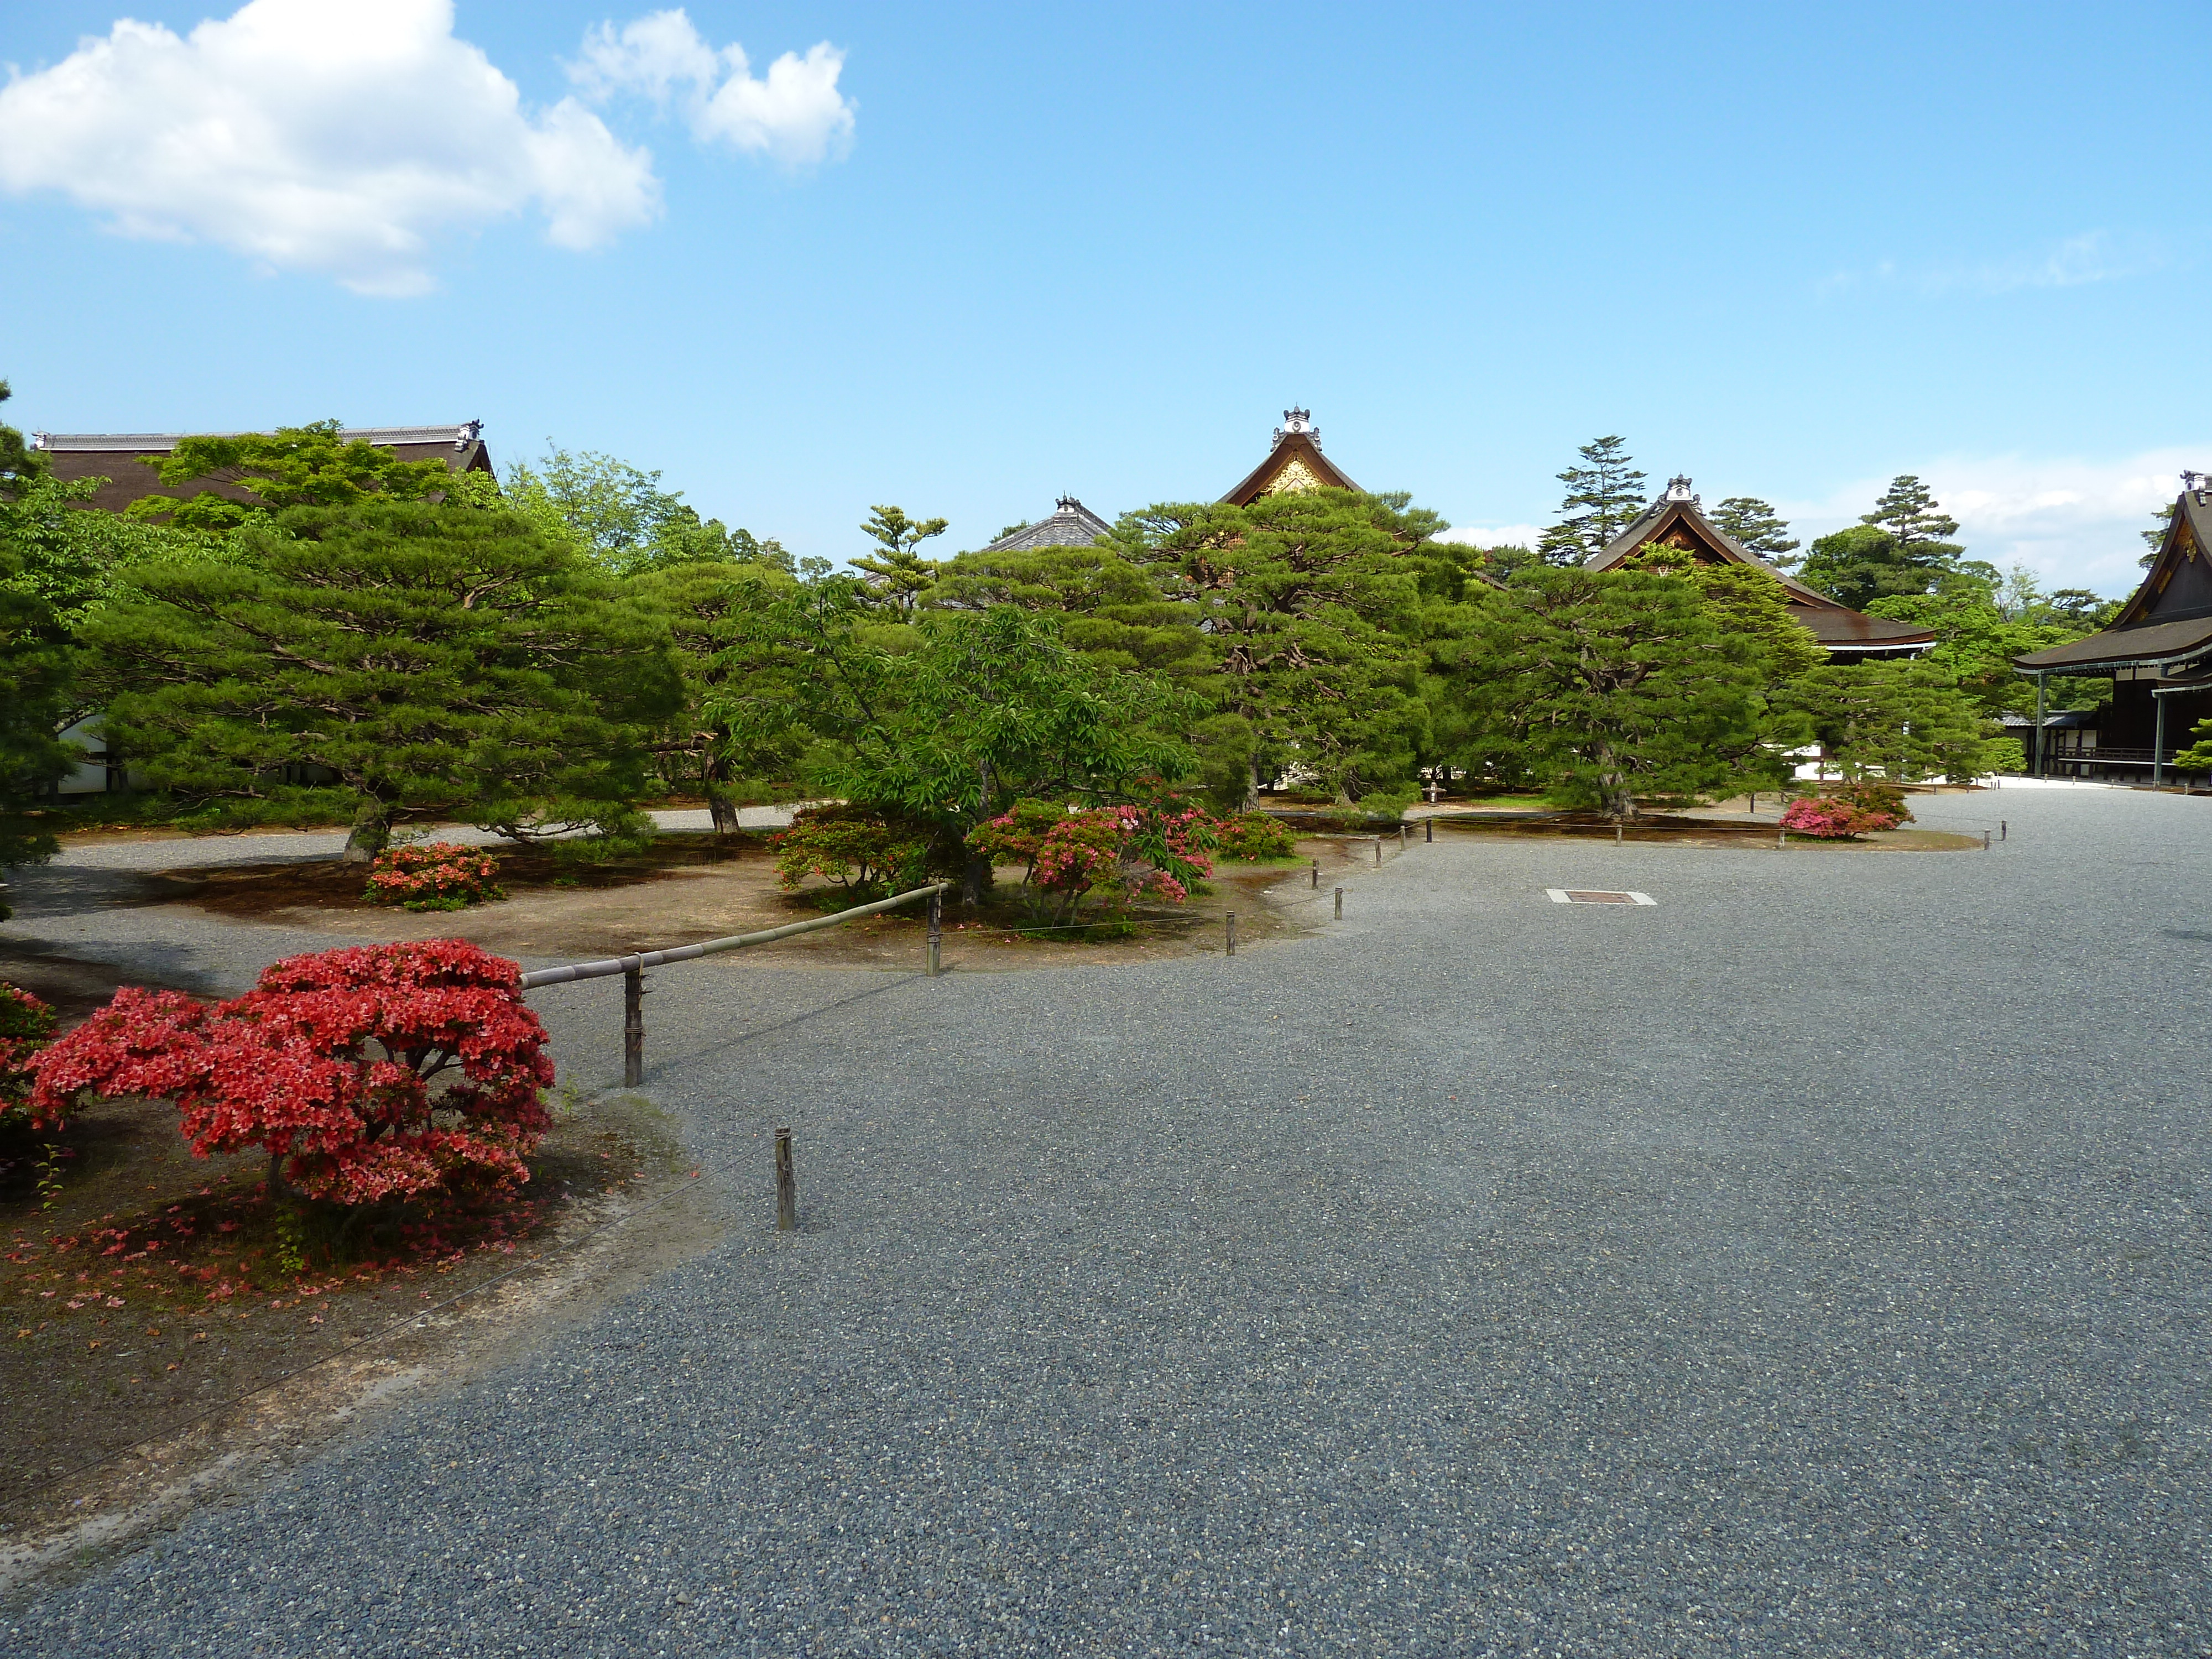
(1831, 817)
(433, 875)
(368, 1073)
(1108, 855)
(26, 1024)
(1252, 836)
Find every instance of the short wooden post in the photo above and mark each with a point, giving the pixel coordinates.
(787, 1186)
(1316, 875)
(2001, 828)
(1340, 904)
(633, 1027)
(1985, 840)
(1616, 837)
(936, 933)
(1428, 830)
(1780, 836)
(1231, 919)
(1401, 837)
(1378, 851)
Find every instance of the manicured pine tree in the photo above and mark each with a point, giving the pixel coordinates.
(34, 667)
(1604, 495)
(1909, 512)
(897, 573)
(1756, 528)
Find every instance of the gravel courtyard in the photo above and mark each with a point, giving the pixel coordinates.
(1813, 1262)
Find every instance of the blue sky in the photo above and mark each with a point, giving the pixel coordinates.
(1098, 251)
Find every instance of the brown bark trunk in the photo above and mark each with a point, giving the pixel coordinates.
(372, 829)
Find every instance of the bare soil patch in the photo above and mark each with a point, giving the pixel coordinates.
(693, 886)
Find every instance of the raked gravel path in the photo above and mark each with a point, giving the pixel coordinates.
(1814, 1263)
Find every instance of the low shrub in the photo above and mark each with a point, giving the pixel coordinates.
(372, 1073)
(25, 1025)
(1831, 817)
(866, 853)
(435, 875)
(1252, 836)
(1107, 855)
(1868, 796)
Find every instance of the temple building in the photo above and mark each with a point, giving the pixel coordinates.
(1294, 463)
(114, 456)
(1071, 524)
(1678, 519)
(2157, 652)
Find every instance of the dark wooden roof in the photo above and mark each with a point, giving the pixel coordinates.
(2167, 620)
(114, 456)
(1072, 524)
(1677, 519)
(1293, 450)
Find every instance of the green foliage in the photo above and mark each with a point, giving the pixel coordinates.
(2161, 521)
(2197, 757)
(1908, 512)
(1978, 633)
(1606, 686)
(862, 852)
(437, 660)
(294, 466)
(1254, 837)
(1896, 550)
(1604, 495)
(1902, 721)
(35, 662)
(1113, 610)
(896, 575)
(1315, 606)
(1756, 528)
(949, 722)
(1747, 603)
(622, 517)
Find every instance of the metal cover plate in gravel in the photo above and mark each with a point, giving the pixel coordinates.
(1575, 896)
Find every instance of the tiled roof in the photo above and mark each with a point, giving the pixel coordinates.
(1072, 524)
(460, 436)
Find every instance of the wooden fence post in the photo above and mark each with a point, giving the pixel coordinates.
(1340, 904)
(1378, 851)
(1232, 932)
(936, 932)
(1316, 875)
(1428, 830)
(633, 1027)
(786, 1185)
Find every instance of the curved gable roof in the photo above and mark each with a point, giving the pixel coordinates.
(1072, 524)
(1296, 453)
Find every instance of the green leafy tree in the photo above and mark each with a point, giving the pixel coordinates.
(977, 712)
(1112, 609)
(1746, 604)
(34, 667)
(294, 466)
(1756, 528)
(1896, 550)
(2197, 757)
(1608, 686)
(1901, 721)
(897, 575)
(1604, 496)
(436, 661)
(620, 515)
(1312, 602)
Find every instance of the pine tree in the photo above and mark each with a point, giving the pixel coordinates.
(34, 668)
(897, 573)
(2161, 521)
(1756, 528)
(1604, 495)
(1909, 512)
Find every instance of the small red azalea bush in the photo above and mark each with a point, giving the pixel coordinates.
(1252, 836)
(1831, 817)
(25, 1025)
(852, 847)
(1108, 854)
(379, 1072)
(433, 875)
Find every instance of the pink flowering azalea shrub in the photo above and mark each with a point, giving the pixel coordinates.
(1831, 817)
(25, 1025)
(435, 875)
(375, 1073)
(1108, 855)
(1252, 836)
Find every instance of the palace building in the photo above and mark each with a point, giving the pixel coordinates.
(2157, 652)
(113, 456)
(1677, 519)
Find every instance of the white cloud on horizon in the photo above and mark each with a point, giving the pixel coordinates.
(1507, 535)
(2073, 522)
(337, 136)
(2093, 256)
(795, 113)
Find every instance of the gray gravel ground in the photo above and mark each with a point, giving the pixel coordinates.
(1814, 1263)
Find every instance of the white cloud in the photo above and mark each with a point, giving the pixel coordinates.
(2094, 256)
(795, 114)
(2073, 522)
(1504, 535)
(330, 135)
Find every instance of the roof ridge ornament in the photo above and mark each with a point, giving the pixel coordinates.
(1068, 504)
(1298, 421)
(1678, 489)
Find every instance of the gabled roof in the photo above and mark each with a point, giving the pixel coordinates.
(1678, 519)
(114, 456)
(2168, 620)
(1071, 525)
(1295, 463)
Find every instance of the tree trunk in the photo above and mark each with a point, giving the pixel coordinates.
(372, 829)
(975, 877)
(722, 811)
(1252, 787)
